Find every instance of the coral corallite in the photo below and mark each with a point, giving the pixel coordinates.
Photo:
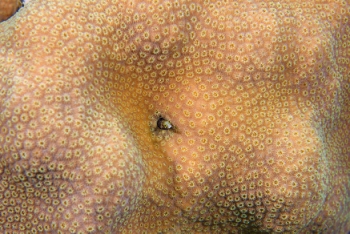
(130, 116)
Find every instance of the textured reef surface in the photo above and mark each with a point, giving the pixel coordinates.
(175, 116)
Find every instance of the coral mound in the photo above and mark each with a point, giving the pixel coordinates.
(175, 117)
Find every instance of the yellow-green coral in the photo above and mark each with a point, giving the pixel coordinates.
(175, 117)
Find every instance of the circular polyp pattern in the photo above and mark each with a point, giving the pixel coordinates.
(175, 117)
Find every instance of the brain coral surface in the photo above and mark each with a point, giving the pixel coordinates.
(175, 117)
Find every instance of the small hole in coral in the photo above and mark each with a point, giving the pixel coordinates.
(164, 124)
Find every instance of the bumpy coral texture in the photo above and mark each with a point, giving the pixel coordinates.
(175, 117)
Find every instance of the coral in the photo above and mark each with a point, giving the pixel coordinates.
(122, 116)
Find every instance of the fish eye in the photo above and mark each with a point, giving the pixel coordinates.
(164, 124)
